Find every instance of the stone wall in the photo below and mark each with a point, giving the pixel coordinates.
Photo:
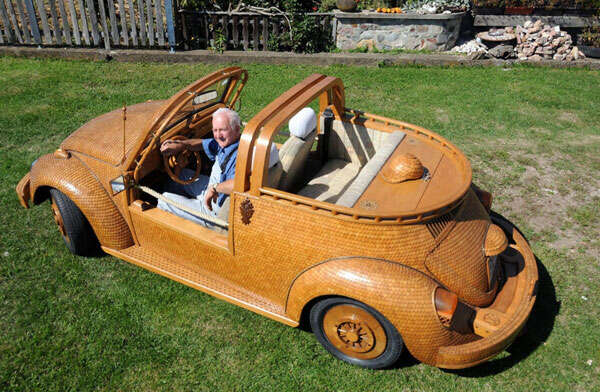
(397, 31)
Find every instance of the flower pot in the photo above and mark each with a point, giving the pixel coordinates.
(346, 5)
(518, 10)
(590, 51)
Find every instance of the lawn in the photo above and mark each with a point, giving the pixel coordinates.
(73, 323)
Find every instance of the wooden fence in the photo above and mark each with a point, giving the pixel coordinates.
(108, 23)
(239, 30)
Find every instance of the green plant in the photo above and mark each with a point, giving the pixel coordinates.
(591, 36)
(220, 40)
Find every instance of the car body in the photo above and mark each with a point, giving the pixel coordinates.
(380, 240)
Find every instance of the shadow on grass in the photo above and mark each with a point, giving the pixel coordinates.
(538, 328)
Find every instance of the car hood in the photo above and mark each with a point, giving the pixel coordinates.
(102, 137)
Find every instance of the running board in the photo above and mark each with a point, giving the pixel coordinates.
(207, 283)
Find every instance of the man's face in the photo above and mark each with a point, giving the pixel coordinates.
(222, 131)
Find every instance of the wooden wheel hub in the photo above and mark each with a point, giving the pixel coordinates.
(354, 331)
(59, 221)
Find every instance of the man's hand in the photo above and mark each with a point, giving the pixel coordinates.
(172, 147)
(210, 196)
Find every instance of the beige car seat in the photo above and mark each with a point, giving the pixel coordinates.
(295, 150)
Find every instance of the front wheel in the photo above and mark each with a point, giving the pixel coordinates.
(72, 225)
(355, 333)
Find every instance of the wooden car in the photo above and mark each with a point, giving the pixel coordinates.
(368, 229)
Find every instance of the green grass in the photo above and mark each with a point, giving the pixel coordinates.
(72, 323)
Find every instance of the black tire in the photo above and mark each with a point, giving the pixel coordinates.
(393, 341)
(75, 229)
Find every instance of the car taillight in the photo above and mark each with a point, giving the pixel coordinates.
(452, 313)
(445, 305)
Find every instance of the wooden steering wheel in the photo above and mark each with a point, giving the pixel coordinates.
(176, 162)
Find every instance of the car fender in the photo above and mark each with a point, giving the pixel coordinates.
(69, 175)
(404, 295)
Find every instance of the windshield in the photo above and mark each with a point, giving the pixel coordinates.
(199, 101)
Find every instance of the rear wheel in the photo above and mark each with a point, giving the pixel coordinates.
(355, 333)
(72, 225)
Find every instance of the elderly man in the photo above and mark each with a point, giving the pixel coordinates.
(206, 194)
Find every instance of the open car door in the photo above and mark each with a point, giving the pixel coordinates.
(158, 231)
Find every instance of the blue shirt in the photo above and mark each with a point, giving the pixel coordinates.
(226, 158)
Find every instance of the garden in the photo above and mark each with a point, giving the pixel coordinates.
(73, 323)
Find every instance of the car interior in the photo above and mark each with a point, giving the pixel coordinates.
(321, 167)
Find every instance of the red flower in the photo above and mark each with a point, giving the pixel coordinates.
(315, 8)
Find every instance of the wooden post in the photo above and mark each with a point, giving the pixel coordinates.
(255, 33)
(13, 19)
(150, 19)
(170, 24)
(114, 27)
(84, 25)
(10, 37)
(55, 25)
(44, 19)
(74, 22)
(35, 29)
(245, 31)
(93, 21)
(214, 22)
(265, 31)
(26, 36)
(123, 17)
(143, 35)
(184, 31)
(132, 22)
(205, 18)
(106, 34)
(225, 29)
(65, 22)
(234, 31)
(160, 28)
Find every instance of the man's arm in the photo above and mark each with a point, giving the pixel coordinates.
(212, 193)
(172, 147)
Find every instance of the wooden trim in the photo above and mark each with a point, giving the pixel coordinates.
(514, 20)
(74, 22)
(124, 255)
(65, 22)
(123, 18)
(44, 19)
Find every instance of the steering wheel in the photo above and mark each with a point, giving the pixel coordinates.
(175, 163)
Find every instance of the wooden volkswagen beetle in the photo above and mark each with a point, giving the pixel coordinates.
(368, 228)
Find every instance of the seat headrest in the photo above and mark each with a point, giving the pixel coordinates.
(303, 123)
(273, 155)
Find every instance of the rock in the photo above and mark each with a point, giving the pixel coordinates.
(477, 55)
(557, 28)
(528, 24)
(368, 43)
(535, 57)
(538, 24)
(575, 53)
(501, 51)
(559, 57)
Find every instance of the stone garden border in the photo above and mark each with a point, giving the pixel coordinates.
(435, 32)
(239, 57)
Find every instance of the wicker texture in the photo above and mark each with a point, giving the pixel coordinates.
(73, 178)
(403, 295)
(102, 137)
(401, 168)
(458, 260)
(283, 250)
(495, 241)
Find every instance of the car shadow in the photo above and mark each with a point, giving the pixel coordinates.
(538, 328)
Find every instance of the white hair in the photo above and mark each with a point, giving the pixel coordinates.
(234, 119)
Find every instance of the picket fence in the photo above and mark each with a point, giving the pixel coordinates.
(97, 23)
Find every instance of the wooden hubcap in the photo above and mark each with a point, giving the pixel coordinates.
(354, 331)
(59, 221)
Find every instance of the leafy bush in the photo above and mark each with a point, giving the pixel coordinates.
(306, 37)
(591, 37)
